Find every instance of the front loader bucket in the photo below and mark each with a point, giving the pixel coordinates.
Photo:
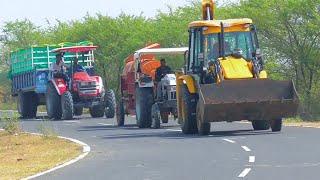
(254, 99)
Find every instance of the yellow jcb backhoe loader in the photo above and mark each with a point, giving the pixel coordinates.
(224, 78)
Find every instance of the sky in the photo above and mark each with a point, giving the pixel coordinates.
(39, 11)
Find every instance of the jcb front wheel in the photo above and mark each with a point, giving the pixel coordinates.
(189, 103)
(276, 125)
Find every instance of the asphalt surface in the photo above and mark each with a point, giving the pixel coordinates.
(231, 151)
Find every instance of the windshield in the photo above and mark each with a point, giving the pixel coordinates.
(234, 41)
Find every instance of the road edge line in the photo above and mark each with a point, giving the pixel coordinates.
(86, 149)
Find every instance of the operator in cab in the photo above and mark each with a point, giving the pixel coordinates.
(161, 72)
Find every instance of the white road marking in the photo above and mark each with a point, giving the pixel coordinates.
(246, 148)
(252, 159)
(105, 124)
(71, 121)
(174, 130)
(244, 173)
(229, 140)
(85, 149)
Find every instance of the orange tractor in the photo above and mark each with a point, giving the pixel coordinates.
(138, 88)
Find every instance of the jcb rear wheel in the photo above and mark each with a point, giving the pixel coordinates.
(189, 103)
(276, 125)
(259, 125)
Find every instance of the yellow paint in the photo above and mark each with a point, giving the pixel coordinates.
(179, 96)
(189, 81)
(263, 74)
(235, 68)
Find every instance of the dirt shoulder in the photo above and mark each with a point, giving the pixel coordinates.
(23, 154)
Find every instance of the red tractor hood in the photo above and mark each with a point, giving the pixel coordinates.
(83, 76)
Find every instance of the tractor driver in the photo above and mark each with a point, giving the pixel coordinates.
(162, 71)
(57, 68)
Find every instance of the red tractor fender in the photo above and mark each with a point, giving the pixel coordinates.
(60, 85)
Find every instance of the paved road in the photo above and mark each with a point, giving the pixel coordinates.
(232, 151)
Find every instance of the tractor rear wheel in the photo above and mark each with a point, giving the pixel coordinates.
(67, 106)
(144, 101)
(110, 100)
(27, 105)
(189, 103)
(156, 116)
(120, 113)
(276, 125)
(259, 125)
(53, 103)
(97, 111)
(164, 117)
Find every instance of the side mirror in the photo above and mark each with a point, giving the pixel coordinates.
(257, 53)
(186, 60)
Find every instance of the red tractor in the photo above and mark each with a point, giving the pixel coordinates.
(69, 91)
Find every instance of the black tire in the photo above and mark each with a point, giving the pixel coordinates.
(120, 114)
(53, 103)
(276, 125)
(27, 105)
(67, 106)
(259, 125)
(156, 116)
(97, 111)
(164, 118)
(144, 101)
(189, 103)
(110, 100)
(78, 111)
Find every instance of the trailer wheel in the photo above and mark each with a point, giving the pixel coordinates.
(120, 113)
(164, 118)
(203, 127)
(78, 111)
(97, 111)
(27, 105)
(67, 106)
(144, 101)
(53, 103)
(276, 125)
(110, 100)
(156, 116)
(189, 122)
(260, 125)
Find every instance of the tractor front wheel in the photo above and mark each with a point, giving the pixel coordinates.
(156, 116)
(120, 113)
(110, 100)
(97, 111)
(67, 106)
